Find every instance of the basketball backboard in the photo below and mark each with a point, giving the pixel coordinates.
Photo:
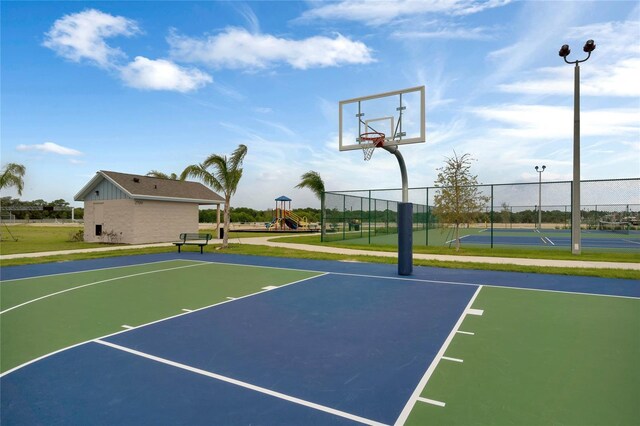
(399, 115)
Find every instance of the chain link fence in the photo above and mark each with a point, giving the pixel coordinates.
(511, 215)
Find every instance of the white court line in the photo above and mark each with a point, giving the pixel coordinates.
(94, 283)
(420, 280)
(477, 312)
(244, 384)
(270, 287)
(548, 239)
(631, 241)
(188, 310)
(452, 359)
(432, 367)
(128, 327)
(92, 270)
(450, 241)
(150, 323)
(543, 240)
(231, 298)
(466, 332)
(431, 401)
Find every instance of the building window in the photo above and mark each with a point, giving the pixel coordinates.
(98, 230)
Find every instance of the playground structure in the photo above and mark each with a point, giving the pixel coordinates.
(285, 219)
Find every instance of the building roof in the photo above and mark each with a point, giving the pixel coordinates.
(283, 198)
(151, 188)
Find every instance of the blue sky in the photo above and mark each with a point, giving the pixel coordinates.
(132, 87)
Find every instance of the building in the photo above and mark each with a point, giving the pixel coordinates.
(134, 209)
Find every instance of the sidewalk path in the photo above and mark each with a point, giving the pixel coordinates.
(264, 241)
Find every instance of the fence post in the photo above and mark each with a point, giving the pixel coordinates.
(344, 216)
(387, 221)
(369, 216)
(322, 220)
(491, 216)
(428, 216)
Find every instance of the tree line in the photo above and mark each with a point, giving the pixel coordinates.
(249, 215)
(38, 209)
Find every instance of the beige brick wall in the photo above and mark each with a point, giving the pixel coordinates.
(117, 216)
(141, 221)
(161, 221)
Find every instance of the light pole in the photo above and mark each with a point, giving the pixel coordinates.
(540, 196)
(589, 47)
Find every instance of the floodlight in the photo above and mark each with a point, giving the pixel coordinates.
(536, 168)
(589, 46)
(544, 167)
(564, 50)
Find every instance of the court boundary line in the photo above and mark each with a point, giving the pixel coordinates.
(243, 384)
(422, 280)
(404, 415)
(28, 302)
(91, 270)
(150, 323)
(341, 273)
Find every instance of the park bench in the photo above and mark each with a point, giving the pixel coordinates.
(193, 240)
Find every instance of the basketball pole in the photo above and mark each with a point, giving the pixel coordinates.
(405, 219)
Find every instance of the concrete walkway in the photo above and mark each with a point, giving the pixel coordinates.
(264, 241)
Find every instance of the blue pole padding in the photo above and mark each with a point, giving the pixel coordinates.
(405, 238)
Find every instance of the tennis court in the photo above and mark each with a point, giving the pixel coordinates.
(227, 339)
(530, 238)
(557, 238)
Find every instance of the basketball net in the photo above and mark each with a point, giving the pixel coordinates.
(376, 139)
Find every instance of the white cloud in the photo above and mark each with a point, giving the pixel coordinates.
(249, 16)
(160, 74)
(617, 79)
(554, 122)
(81, 36)
(49, 147)
(237, 48)
(446, 32)
(381, 12)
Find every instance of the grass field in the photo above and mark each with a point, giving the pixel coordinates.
(36, 238)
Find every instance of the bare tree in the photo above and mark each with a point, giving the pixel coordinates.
(457, 198)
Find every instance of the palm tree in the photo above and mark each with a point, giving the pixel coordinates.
(314, 182)
(12, 176)
(158, 174)
(224, 178)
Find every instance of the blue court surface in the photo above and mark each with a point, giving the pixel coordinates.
(347, 346)
(557, 238)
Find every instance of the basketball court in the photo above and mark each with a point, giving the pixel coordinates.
(224, 339)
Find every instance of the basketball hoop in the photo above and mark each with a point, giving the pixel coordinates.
(376, 139)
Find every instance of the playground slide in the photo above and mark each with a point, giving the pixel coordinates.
(270, 224)
(291, 223)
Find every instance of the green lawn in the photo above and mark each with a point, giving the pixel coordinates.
(35, 238)
(540, 358)
(112, 298)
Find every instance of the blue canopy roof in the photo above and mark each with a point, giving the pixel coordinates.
(283, 198)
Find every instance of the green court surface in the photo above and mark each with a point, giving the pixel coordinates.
(101, 302)
(531, 358)
(539, 358)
